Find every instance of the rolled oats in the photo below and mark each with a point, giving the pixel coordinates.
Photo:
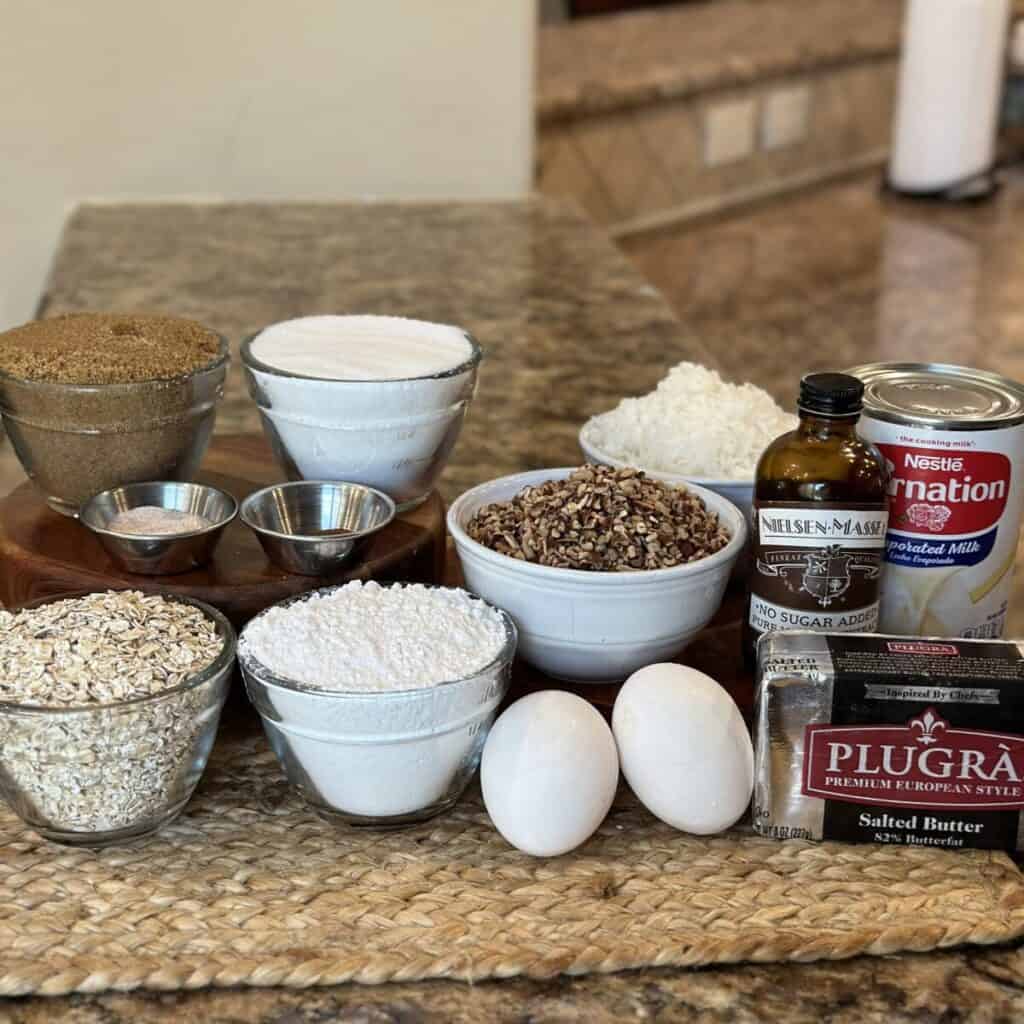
(110, 646)
(601, 519)
(73, 761)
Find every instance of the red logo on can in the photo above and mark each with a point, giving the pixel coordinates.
(945, 493)
(925, 763)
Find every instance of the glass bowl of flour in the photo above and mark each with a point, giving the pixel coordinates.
(376, 698)
(374, 400)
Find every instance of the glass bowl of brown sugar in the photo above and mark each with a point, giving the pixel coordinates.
(91, 401)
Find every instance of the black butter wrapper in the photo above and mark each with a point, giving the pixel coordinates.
(890, 739)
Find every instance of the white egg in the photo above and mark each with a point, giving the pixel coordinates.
(684, 748)
(549, 772)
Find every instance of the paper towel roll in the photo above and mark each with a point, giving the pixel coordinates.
(951, 80)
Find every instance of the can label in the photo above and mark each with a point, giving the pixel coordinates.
(955, 499)
(816, 567)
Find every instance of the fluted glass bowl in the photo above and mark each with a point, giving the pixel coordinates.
(392, 435)
(380, 759)
(96, 775)
(75, 440)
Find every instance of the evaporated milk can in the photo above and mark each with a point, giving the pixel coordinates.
(953, 442)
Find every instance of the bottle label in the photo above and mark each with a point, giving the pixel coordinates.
(816, 567)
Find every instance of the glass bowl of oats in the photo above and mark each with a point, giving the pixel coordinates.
(109, 705)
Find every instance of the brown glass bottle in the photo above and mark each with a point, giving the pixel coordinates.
(819, 518)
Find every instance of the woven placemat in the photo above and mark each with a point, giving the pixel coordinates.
(250, 888)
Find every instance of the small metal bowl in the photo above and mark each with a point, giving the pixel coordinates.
(159, 554)
(312, 527)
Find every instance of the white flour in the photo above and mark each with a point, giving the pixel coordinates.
(365, 637)
(367, 752)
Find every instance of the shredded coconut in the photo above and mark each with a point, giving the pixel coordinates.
(694, 424)
(368, 637)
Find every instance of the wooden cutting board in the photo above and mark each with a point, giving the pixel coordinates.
(43, 553)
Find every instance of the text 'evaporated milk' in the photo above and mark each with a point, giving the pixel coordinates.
(953, 439)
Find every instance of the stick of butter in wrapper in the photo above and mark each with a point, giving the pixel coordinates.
(887, 739)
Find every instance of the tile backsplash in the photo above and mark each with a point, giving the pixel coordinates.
(664, 159)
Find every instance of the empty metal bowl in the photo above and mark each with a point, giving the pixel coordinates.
(311, 527)
(160, 554)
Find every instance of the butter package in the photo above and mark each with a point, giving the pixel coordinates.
(887, 739)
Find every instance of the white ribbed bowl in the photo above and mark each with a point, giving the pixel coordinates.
(595, 626)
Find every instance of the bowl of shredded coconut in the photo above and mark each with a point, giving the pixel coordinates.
(377, 698)
(694, 427)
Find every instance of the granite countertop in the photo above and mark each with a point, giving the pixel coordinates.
(569, 326)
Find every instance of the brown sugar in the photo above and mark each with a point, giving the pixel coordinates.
(107, 348)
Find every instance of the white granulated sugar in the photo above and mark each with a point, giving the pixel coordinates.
(361, 348)
(694, 424)
(366, 637)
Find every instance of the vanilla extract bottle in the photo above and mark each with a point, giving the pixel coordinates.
(819, 519)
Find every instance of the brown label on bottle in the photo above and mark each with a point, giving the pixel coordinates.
(816, 566)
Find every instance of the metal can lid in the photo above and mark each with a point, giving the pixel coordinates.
(940, 395)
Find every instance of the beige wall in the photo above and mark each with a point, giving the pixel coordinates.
(293, 98)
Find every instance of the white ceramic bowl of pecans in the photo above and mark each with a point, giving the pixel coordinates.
(595, 626)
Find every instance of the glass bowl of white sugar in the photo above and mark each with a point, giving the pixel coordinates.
(377, 698)
(375, 400)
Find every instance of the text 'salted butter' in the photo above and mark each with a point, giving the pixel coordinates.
(890, 739)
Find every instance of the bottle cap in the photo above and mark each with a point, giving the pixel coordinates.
(831, 394)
